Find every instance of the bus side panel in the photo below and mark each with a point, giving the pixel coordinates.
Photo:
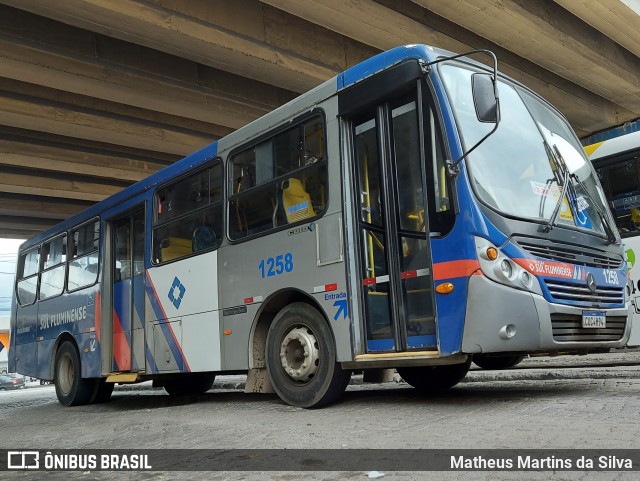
(307, 257)
(181, 315)
(24, 340)
(284, 261)
(89, 350)
(455, 260)
(76, 313)
(44, 352)
(632, 254)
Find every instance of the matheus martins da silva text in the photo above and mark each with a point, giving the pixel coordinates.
(547, 462)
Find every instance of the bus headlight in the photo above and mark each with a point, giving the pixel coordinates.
(500, 268)
(506, 267)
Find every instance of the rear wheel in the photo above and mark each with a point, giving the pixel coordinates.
(434, 378)
(190, 384)
(71, 388)
(496, 362)
(301, 358)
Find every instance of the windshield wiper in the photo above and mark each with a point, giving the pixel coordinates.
(560, 168)
(606, 225)
(567, 184)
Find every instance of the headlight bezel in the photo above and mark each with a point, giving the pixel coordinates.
(514, 276)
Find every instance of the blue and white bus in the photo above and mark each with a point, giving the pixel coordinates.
(414, 211)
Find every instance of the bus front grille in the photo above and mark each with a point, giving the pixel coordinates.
(564, 291)
(563, 252)
(568, 328)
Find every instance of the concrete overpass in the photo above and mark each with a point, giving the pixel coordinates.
(97, 94)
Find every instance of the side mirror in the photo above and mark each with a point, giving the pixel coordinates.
(485, 97)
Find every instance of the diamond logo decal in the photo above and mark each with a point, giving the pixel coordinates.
(176, 292)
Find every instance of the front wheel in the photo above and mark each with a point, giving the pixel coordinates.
(428, 379)
(71, 388)
(301, 358)
(496, 362)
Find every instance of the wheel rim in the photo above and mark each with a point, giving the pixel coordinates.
(299, 354)
(65, 374)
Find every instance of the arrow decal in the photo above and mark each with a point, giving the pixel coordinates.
(342, 309)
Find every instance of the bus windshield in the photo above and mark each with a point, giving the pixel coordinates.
(532, 158)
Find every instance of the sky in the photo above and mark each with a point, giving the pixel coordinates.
(8, 257)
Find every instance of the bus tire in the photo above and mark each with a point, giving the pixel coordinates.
(190, 384)
(301, 358)
(428, 379)
(496, 362)
(102, 391)
(71, 388)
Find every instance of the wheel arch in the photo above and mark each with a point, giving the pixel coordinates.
(64, 336)
(265, 315)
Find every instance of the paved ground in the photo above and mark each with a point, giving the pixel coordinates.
(590, 402)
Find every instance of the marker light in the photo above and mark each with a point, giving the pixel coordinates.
(444, 288)
(492, 253)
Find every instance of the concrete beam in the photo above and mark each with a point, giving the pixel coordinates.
(28, 112)
(22, 206)
(552, 37)
(616, 19)
(388, 23)
(171, 31)
(38, 50)
(57, 159)
(30, 224)
(22, 181)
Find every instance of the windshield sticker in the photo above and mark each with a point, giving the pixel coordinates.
(565, 211)
(539, 188)
(581, 203)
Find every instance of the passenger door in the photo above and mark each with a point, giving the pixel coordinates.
(128, 293)
(394, 250)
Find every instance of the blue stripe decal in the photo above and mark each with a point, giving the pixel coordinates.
(166, 330)
(138, 300)
(122, 303)
(151, 362)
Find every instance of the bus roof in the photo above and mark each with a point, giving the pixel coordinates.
(615, 146)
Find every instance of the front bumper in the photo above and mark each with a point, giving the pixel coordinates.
(504, 319)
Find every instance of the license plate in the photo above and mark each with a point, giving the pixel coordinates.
(593, 319)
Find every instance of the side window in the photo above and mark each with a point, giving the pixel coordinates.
(620, 182)
(83, 261)
(188, 216)
(27, 278)
(54, 256)
(280, 181)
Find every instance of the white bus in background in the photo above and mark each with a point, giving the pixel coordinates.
(617, 162)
